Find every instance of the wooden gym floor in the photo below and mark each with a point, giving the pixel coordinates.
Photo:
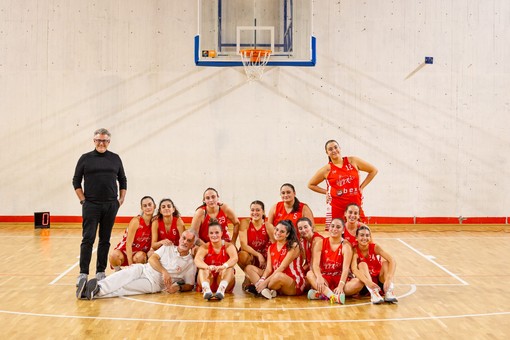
(450, 284)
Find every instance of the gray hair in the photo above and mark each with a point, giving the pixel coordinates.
(102, 131)
(192, 232)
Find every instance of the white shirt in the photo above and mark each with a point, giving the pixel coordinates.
(179, 267)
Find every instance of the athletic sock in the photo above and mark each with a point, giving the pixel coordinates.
(206, 289)
(329, 293)
(222, 287)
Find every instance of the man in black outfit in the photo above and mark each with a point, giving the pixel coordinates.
(100, 171)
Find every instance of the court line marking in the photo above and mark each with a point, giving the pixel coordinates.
(429, 258)
(418, 318)
(326, 306)
(76, 264)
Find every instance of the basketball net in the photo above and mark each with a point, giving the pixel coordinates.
(254, 61)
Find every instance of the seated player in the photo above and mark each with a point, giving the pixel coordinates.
(283, 273)
(329, 276)
(136, 242)
(215, 261)
(255, 236)
(368, 265)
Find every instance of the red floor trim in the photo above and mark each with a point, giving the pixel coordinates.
(318, 220)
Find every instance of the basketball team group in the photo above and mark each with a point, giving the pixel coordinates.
(280, 251)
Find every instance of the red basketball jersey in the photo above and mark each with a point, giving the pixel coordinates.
(171, 234)
(294, 270)
(142, 240)
(343, 186)
(216, 259)
(307, 246)
(331, 261)
(258, 239)
(281, 214)
(204, 227)
(351, 238)
(372, 260)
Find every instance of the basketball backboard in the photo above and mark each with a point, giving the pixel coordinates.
(227, 26)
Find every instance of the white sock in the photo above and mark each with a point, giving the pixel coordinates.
(329, 293)
(370, 290)
(206, 287)
(223, 285)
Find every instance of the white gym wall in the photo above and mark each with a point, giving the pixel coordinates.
(439, 134)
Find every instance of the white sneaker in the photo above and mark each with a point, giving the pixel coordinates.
(376, 298)
(100, 276)
(268, 293)
(313, 295)
(337, 299)
(390, 297)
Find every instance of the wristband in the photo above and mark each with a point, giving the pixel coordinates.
(342, 282)
(262, 278)
(82, 201)
(225, 265)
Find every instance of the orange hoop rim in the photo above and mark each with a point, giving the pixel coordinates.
(254, 53)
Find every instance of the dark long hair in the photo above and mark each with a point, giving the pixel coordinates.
(326, 146)
(292, 238)
(295, 206)
(144, 197)
(262, 205)
(203, 203)
(176, 211)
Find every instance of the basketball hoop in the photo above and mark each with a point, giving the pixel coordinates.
(254, 61)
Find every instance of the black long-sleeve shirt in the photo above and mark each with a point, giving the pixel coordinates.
(100, 172)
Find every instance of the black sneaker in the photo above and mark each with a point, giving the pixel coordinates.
(208, 295)
(92, 289)
(80, 291)
(251, 289)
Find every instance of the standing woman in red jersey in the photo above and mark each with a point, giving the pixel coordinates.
(213, 209)
(290, 208)
(136, 242)
(168, 226)
(342, 181)
(283, 273)
(255, 235)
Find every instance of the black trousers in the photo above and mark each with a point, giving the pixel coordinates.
(96, 215)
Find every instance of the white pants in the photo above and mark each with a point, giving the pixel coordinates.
(129, 281)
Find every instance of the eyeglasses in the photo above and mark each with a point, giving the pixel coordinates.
(104, 141)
